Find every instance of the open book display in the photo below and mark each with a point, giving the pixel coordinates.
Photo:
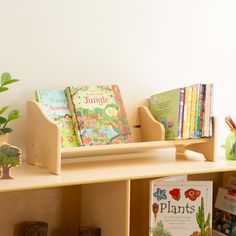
(44, 138)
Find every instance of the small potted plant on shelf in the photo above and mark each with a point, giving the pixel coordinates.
(6, 80)
(9, 155)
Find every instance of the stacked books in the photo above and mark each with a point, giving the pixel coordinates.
(180, 207)
(88, 115)
(185, 112)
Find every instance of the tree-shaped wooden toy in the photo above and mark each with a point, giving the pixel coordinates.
(9, 157)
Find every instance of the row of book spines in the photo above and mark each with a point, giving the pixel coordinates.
(197, 111)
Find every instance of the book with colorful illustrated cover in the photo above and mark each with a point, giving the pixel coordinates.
(55, 106)
(224, 220)
(99, 114)
(167, 108)
(180, 208)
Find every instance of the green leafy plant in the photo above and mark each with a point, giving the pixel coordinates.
(159, 230)
(12, 115)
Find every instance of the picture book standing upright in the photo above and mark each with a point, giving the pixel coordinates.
(167, 108)
(98, 114)
(55, 106)
(180, 208)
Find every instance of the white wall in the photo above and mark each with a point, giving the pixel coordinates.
(145, 46)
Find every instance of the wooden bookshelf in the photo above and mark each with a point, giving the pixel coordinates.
(98, 191)
(43, 139)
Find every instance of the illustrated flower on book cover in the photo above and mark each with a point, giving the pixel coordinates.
(160, 194)
(192, 194)
(175, 193)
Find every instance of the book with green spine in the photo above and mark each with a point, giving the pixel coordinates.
(98, 114)
(55, 106)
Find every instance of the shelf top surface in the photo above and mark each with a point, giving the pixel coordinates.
(114, 168)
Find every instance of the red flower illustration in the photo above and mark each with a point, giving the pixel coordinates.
(192, 194)
(175, 193)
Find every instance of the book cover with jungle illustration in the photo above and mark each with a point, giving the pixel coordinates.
(180, 208)
(55, 106)
(98, 114)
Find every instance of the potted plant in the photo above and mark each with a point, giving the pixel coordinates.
(6, 80)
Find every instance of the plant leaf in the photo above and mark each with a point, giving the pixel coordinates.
(3, 109)
(15, 114)
(3, 120)
(6, 130)
(5, 77)
(10, 81)
(2, 89)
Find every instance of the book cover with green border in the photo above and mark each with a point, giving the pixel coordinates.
(99, 114)
(55, 106)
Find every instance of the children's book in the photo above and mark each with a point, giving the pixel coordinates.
(180, 208)
(167, 108)
(98, 114)
(193, 111)
(187, 112)
(55, 106)
(197, 132)
(206, 130)
(202, 109)
(224, 221)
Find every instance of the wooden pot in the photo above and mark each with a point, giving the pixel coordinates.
(4, 138)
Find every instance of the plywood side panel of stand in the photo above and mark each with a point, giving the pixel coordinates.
(59, 207)
(106, 206)
(43, 139)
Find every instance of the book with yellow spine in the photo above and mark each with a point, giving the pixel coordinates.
(193, 111)
(187, 112)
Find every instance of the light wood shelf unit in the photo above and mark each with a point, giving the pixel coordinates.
(43, 138)
(104, 186)
(111, 194)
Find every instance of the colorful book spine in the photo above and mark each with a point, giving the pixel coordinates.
(207, 111)
(187, 111)
(181, 110)
(211, 110)
(197, 131)
(202, 111)
(193, 111)
(55, 105)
